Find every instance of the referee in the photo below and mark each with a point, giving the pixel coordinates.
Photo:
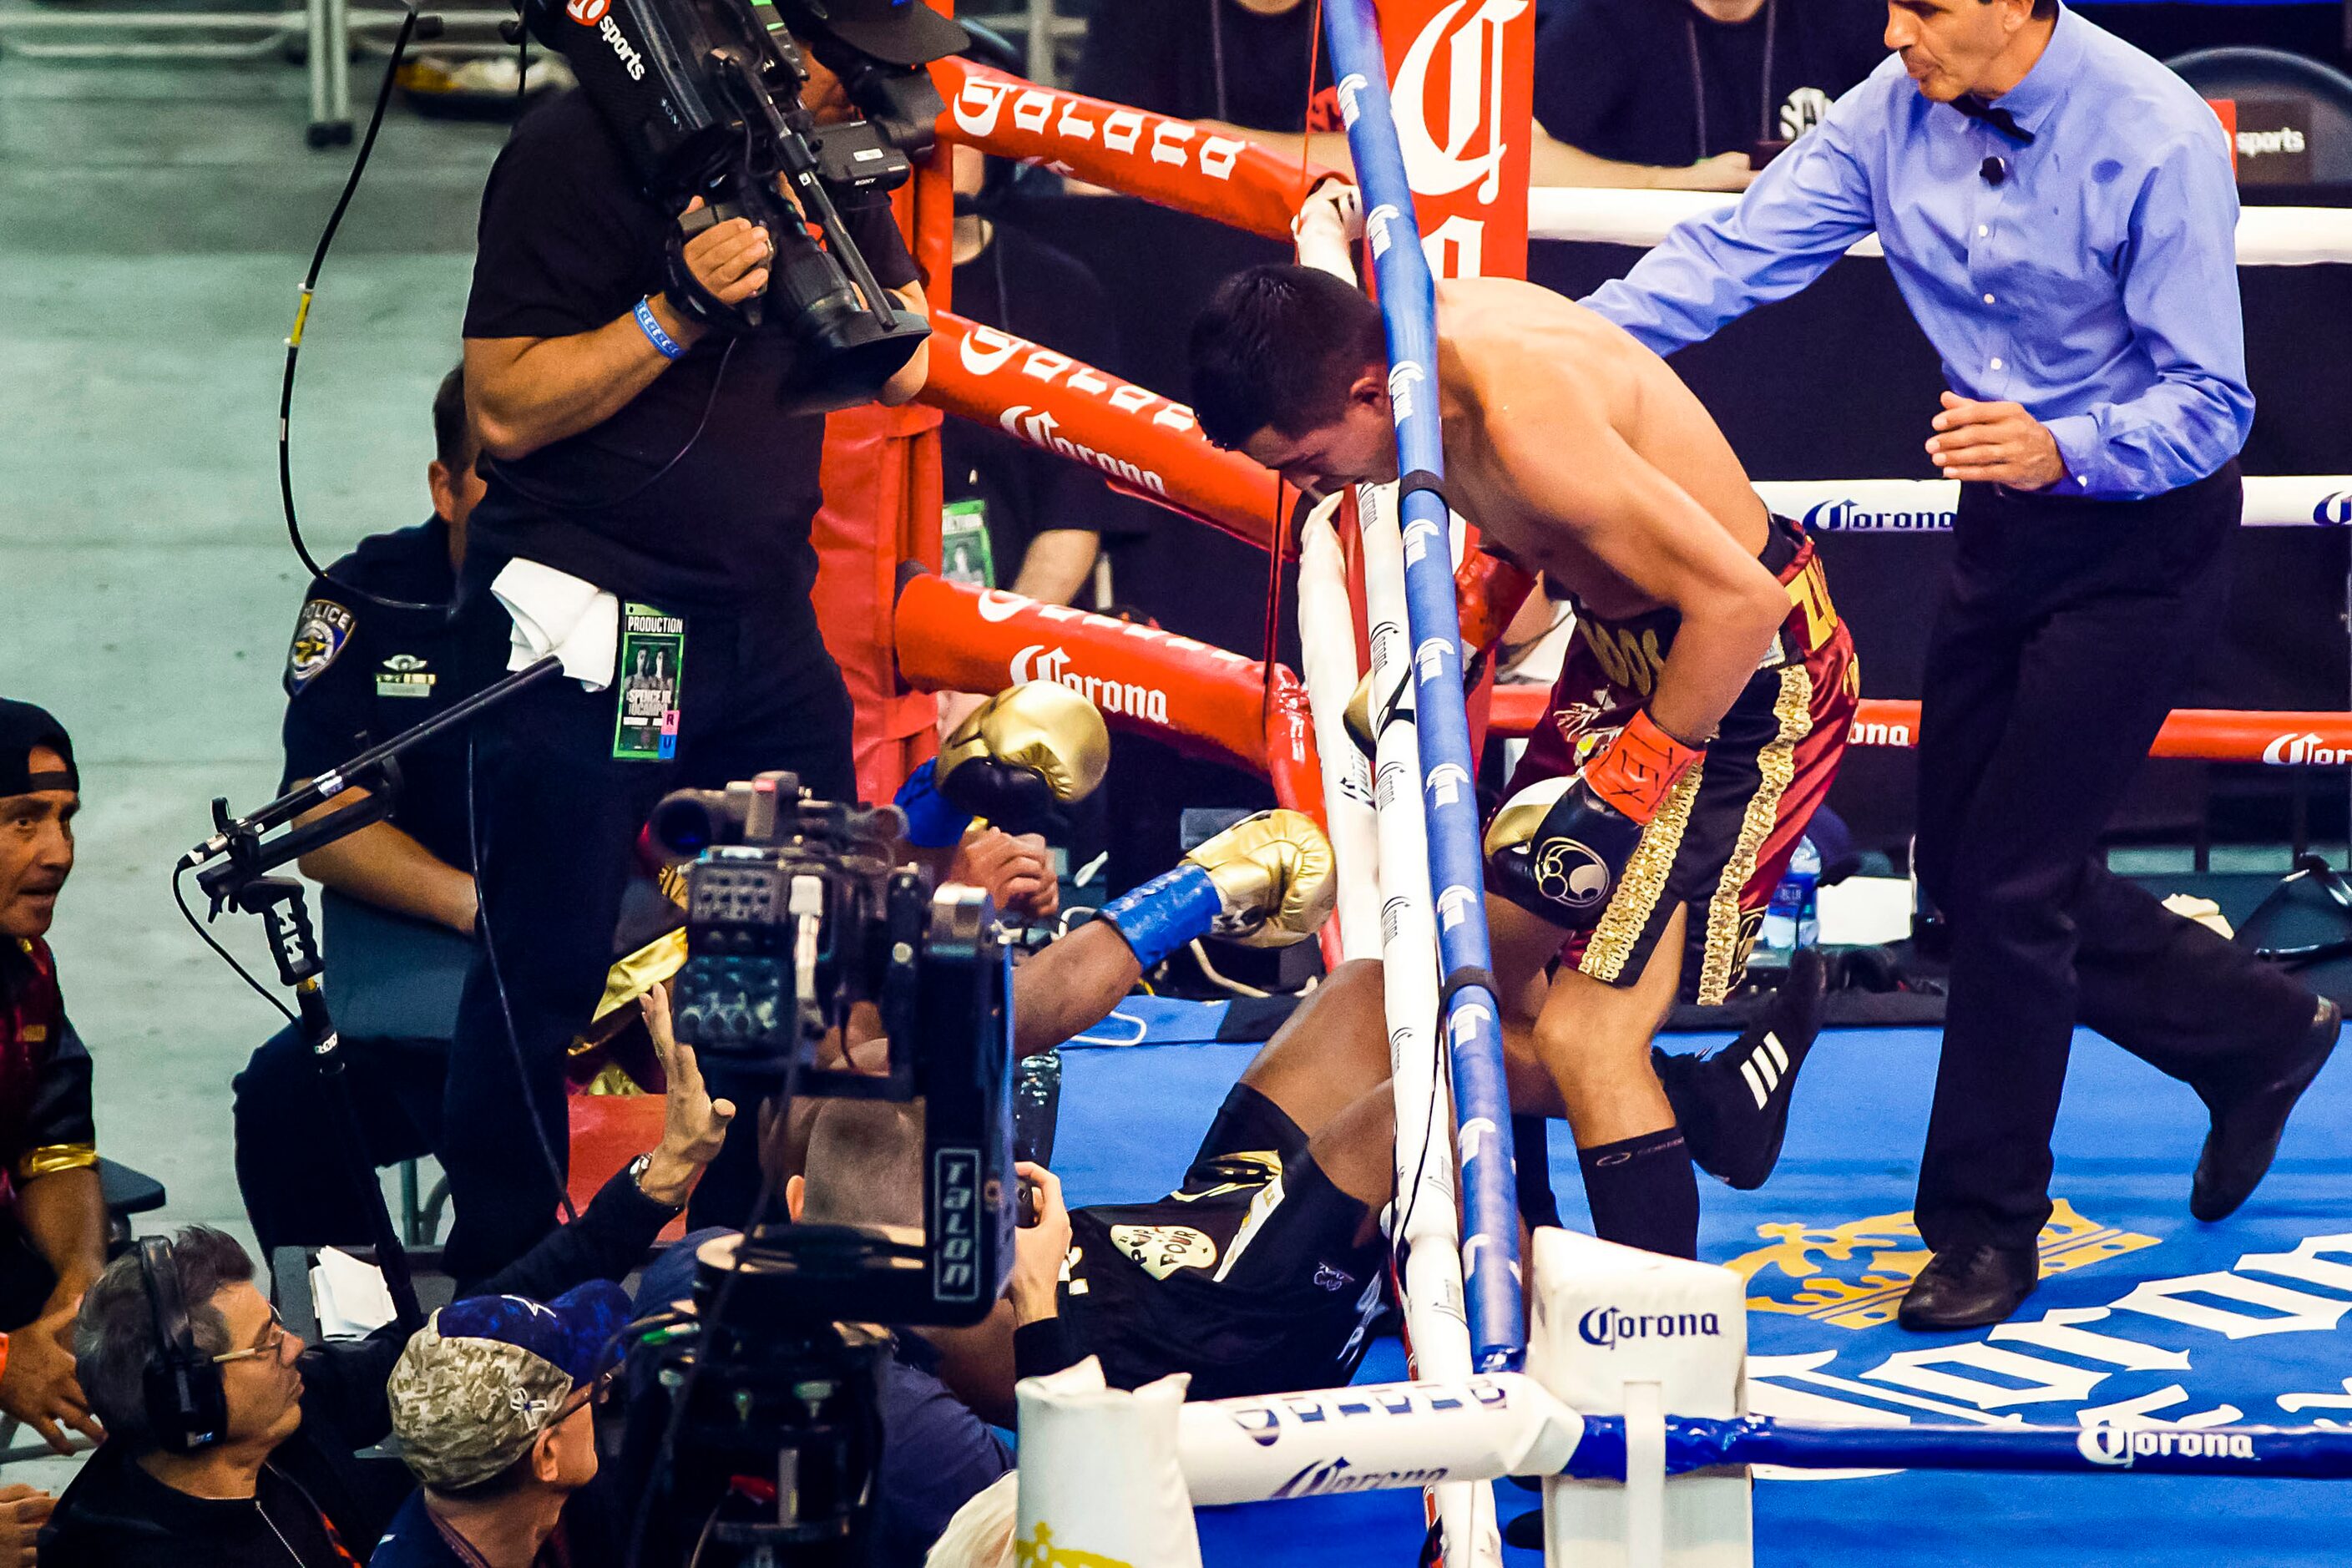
(2059, 213)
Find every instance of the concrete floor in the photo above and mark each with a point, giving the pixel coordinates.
(155, 220)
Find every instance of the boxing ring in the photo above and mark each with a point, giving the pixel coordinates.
(1627, 1391)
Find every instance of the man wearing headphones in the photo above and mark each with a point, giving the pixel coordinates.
(229, 1442)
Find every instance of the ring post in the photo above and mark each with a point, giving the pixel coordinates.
(1619, 1332)
(1490, 1253)
(1101, 1480)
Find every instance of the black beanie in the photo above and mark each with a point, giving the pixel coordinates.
(22, 728)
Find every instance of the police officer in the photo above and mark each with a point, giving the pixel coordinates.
(360, 671)
(647, 496)
(2057, 209)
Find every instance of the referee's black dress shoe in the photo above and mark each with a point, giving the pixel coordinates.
(2248, 1122)
(1969, 1287)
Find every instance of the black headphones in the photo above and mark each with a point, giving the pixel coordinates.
(186, 1406)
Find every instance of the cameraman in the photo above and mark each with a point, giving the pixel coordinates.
(649, 503)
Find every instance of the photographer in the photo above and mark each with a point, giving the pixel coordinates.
(649, 509)
(278, 1483)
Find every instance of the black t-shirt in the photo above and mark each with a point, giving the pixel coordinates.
(1203, 59)
(699, 492)
(359, 672)
(1032, 289)
(1655, 81)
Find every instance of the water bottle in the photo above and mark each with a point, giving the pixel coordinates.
(1805, 870)
(1792, 919)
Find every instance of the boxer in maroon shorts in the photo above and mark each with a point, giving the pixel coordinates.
(1698, 724)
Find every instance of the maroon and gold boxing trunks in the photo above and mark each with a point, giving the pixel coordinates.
(1721, 840)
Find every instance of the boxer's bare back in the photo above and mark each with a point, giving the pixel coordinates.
(1577, 452)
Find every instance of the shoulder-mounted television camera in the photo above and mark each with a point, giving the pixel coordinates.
(795, 918)
(706, 98)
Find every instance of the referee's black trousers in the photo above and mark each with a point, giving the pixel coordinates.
(2067, 631)
(558, 819)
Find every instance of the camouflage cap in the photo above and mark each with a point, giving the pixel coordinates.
(486, 1376)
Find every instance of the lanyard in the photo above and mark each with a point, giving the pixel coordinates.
(1763, 88)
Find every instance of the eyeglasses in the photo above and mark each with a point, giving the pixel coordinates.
(273, 1345)
(594, 1392)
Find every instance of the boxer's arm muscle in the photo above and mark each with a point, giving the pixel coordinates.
(1568, 463)
(1070, 986)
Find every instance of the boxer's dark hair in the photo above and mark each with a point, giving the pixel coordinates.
(453, 437)
(2041, 8)
(1278, 347)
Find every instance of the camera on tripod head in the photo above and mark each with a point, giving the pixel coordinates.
(797, 918)
(706, 97)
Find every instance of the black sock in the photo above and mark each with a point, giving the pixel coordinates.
(1643, 1193)
(1538, 1206)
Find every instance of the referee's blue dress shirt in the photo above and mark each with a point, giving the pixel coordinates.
(2096, 285)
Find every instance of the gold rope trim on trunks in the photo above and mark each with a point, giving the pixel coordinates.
(1720, 960)
(1643, 882)
(51, 1158)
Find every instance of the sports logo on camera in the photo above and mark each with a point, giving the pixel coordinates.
(587, 13)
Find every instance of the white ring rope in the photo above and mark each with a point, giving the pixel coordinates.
(2267, 237)
(1925, 506)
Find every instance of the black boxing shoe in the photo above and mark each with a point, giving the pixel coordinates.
(2247, 1125)
(1969, 1287)
(1733, 1104)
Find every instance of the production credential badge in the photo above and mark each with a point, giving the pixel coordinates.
(653, 664)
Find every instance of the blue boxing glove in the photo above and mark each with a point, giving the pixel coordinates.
(932, 821)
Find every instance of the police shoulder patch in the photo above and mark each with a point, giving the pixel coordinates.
(320, 633)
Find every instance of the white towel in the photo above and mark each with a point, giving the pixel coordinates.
(556, 612)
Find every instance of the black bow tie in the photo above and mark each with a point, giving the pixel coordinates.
(2000, 120)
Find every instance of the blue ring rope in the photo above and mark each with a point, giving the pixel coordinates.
(1490, 1251)
(1697, 1443)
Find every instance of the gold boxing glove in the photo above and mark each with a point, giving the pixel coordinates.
(1273, 873)
(1024, 754)
(1359, 717)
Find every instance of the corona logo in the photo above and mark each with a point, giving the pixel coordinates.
(2119, 1446)
(1847, 516)
(1874, 733)
(1418, 537)
(1403, 379)
(1447, 783)
(2334, 510)
(1039, 662)
(1038, 429)
(1606, 1327)
(1467, 146)
(2306, 750)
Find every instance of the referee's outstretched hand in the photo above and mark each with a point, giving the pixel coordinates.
(730, 259)
(1998, 443)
